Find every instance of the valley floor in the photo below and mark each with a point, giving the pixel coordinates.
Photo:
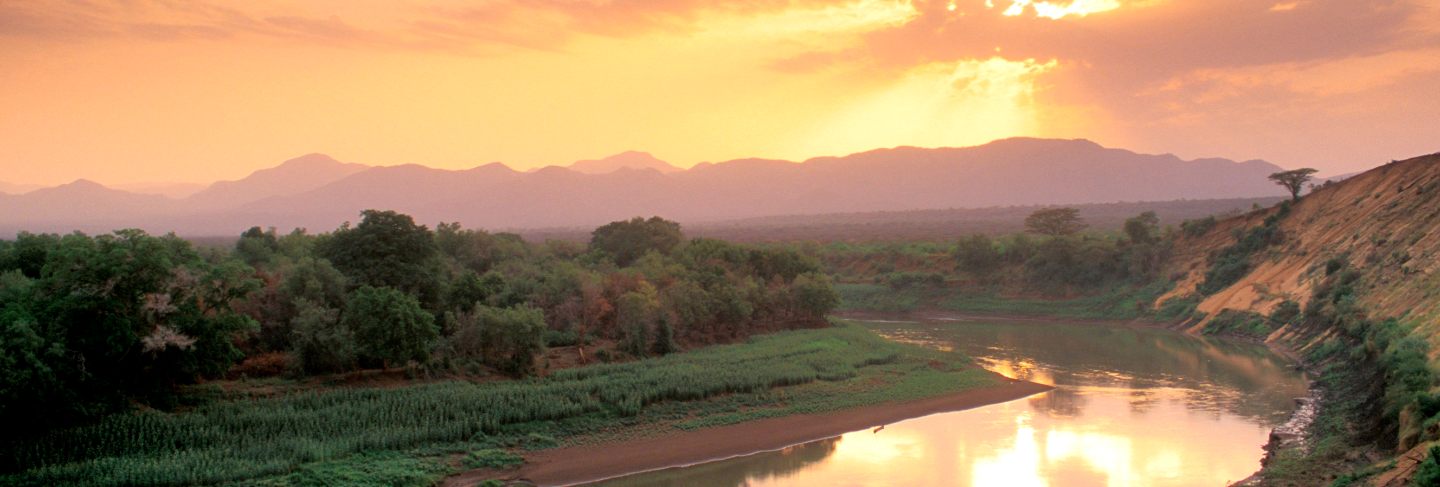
(571, 465)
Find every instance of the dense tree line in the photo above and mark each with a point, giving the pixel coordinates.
(1058, 256)
(90, 325)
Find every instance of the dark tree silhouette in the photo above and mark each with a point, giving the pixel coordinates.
(1293, 180)
(629, 240)
(1055, 222)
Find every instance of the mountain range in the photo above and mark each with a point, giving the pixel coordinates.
(318, 192)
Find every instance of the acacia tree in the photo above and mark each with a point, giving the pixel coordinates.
(1293, 180)
(1055, 222)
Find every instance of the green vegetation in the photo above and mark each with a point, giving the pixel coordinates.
(1239, 323)
(318, 436)
(1377, 381)
(1232, 263)
(1119, 303)
(90, 326)
(1198, 227)
(1114, 276)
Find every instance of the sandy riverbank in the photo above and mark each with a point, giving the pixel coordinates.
(573, 465)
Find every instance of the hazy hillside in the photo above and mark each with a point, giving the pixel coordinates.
(316, 191)
(623, 160)
(81, 204)
(13, 188)
(928, 224)
(294, 176)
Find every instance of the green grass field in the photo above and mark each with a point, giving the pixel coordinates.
(1121, 303)
(414, 435)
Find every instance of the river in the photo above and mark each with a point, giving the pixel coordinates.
(1132, 406)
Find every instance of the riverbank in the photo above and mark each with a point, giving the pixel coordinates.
(417, 434)
(587, 463)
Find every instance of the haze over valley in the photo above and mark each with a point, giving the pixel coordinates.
(315, 191)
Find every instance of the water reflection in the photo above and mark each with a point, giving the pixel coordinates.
(1132, 407)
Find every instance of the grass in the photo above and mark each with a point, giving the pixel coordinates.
(413, 435)
(1118, 303)
(879, 297)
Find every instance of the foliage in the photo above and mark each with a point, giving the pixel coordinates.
(387, 249)
(1293, 180)
(390, 327)
(903, 280)
(491, 458)
(235, 440)
(111, 319)
(1198, 227)
(1143, 228)
(1427, 474)
(505, 338)
(664, 339)
(1231, 263)
(977, 255)
(1239, 323)
(627, 241)
(1177, 309)
(1055, 222)
(321, 344)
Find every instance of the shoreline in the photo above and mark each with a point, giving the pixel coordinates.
(590, 463)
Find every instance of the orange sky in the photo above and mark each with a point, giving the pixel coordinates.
(157, 90)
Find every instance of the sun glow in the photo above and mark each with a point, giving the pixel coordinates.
(1057, 10)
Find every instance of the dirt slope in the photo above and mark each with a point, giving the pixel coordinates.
(1385, 223)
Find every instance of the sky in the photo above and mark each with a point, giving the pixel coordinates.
(134, 91)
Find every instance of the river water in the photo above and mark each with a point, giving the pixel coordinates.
(1132, 406)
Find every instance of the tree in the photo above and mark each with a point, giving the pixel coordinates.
(1055, 222)
(321, 344)
(628, 240)
(664, 338)
(814, 296)
(317, 281)
(387, 249)
(1143, 228)
(507, 338)
(390, 327)
(257, 247)
(635, 313)
(977, 255)
(115, 319)
(1293, 180)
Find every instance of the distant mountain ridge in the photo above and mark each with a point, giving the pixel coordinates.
(318, 192)
(16, 188)
(624, 160)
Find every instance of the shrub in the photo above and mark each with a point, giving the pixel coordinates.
(492, 458)
(1198, 227)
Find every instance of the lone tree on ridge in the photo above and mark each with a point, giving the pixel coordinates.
(1293, 180)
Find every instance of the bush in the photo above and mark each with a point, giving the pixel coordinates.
(906, 280)
(1285, 313)
(1198, 227)
(492, 458)
(1178, 309)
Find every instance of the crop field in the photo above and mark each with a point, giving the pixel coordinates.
(417, 432)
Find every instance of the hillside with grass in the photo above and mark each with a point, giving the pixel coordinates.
(1348, 276)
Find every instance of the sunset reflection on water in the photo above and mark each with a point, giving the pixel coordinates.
(1132, 407)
